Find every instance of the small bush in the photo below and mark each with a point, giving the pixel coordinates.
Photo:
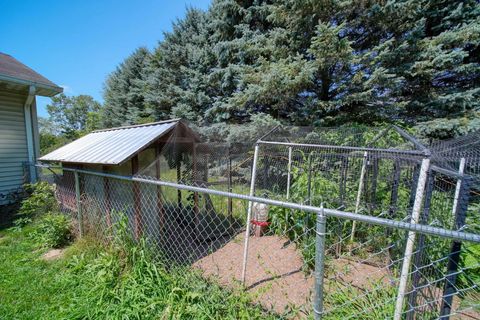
(40, 201)
(52, 231)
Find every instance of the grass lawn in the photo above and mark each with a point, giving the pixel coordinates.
(91, 281)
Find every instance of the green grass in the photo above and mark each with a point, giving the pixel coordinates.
(94, 282)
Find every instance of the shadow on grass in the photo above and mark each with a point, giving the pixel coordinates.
(8, 215)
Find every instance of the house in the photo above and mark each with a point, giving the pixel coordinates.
(19, 139)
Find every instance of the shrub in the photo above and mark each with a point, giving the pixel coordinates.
(52, 231)
(40, 201)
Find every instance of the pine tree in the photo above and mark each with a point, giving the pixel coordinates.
(178, 81)
(318, 62)
(124, 92)
(433, 61)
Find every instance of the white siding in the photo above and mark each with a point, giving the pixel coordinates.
(13, 144)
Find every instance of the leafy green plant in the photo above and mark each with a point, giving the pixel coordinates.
(40, 201)
(52, 231)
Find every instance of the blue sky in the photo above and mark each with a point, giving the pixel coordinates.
(77, 43)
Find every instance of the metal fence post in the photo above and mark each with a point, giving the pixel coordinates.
(289, 168)
(319, 264)
(359, 193)
(449, 289)
(418, 260)
(343, 180)
(249, 213)
(407, 258)
(461, 169)
(79, 203)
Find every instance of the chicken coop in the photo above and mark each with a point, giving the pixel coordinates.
(168, 150)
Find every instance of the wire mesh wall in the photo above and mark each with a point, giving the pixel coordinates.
(375, 187)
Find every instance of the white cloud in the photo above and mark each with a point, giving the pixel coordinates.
(67, 89)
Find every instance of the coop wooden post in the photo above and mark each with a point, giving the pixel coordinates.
(108, 198)
(407, 259)
(309, 181)
(136, 201)
(306, 219)
(178, 164)
(229, 200)
(194, 178)
(461, 169)
(395, 185)
(289, 174)
(343, 179)
(319, 264)
(249, 213)
(373, 192)
(161, 214)
(393, 199)
(79, 203)
(359, 193)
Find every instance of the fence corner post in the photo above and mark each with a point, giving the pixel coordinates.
(450, 289)
(319, 264)
(79, 203)
(410, 242)
(249, 213)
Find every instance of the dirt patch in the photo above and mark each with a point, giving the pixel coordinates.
(275, 278)
(274, 272)
(52, 254)
(357, 274)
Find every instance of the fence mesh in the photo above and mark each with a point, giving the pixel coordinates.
(373, 173)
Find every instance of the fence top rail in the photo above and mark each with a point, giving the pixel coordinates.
(420, 228)
(412, 139)
(336, 147)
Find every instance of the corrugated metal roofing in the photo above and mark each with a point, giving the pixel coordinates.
(111, 146)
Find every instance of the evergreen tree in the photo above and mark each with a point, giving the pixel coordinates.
(310, 62)
(178, 70)
(124, 92)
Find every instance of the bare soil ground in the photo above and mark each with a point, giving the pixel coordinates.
(357, 274)
(275, 277)
(52, 254)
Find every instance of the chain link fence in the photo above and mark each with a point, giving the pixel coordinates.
(326, 224)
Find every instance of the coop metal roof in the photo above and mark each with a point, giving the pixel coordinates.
(111, 146)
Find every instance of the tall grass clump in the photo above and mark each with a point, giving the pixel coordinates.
(127, 281)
